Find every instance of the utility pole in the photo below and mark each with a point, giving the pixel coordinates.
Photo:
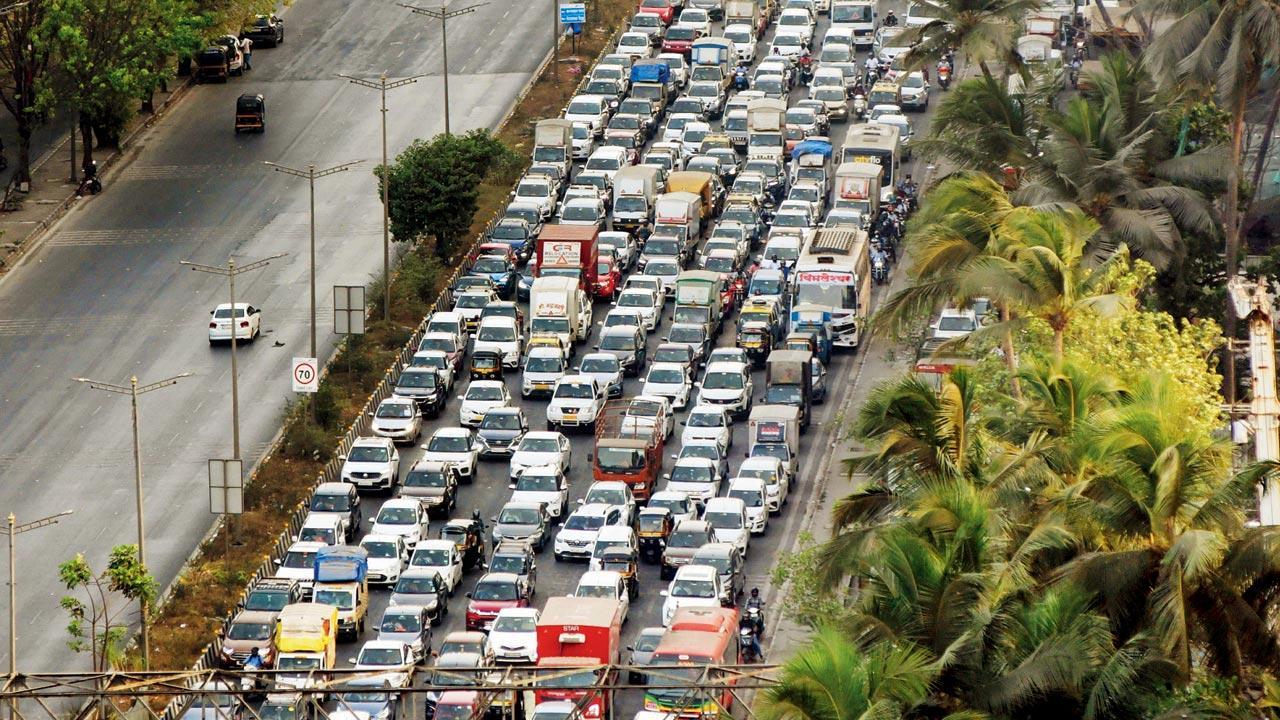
(230, 272)
(1253, 305)
(555, 40)
(311, 174)
(12, 529)
(133, 391)
(443, 13)
(383, 86)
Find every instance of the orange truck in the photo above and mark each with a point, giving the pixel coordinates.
(581, 633)
(628, 449)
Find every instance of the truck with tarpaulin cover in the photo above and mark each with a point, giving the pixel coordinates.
(627, 449)
(583, 633)
(341, 581)
(699, 299)
(814, 320)
(306, 643)
(811, 162)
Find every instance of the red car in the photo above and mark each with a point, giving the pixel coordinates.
(679, 39)
(502, 250)
(664, 9)
(608, 278)
(493, 592)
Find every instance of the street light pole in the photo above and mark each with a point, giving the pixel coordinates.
(443, 14)
(230, 272)
(383, 86)
(133, 391)
(311, 174)
(12, 529)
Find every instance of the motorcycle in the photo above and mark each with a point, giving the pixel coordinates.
(740, 79)
(860, 105)
(90, 185)
(753, 617)
(748, 646)
(806, 71)
(879, 269)
(944, 75)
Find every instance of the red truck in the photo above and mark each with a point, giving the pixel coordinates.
(628, 448)
(569, 250)
(578, 632)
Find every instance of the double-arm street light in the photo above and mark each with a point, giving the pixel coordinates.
(133, 390)
(12, 529)
(311, 174)
(383, 85)
(230, 271)
(443, 14)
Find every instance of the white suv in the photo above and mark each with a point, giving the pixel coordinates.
(372, 463)
(576, 401)
(727, 385)
(453, 445)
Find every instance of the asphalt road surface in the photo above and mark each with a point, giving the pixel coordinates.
(105, 298)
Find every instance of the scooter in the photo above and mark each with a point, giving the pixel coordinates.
(741, 81)
(944, 75)
(860, 106)
(748, 652)
(879, 269)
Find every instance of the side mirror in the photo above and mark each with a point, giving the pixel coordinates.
(344, 457)
(468, 596)
(351, 660)
(663, 593)
(511, 486)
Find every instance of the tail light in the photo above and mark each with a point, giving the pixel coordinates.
(244, 323)
(213, 326)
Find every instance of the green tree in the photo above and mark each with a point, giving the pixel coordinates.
(981, 30)
(435, 186)
(96, 625)
(980, 126)
(25, 58)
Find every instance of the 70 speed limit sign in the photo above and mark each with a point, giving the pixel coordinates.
(305, 375)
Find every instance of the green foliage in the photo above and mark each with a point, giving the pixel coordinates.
(93, 626)
(434, 186)
(810, 601)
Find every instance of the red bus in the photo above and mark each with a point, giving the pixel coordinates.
(698, 637)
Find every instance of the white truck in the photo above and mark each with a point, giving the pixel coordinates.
(553, 143)
(860, 15)
(857, 186)
(742, 12)
(634, 190)
(680, 209)
(774, 431)
(557, 306)
(766, 118)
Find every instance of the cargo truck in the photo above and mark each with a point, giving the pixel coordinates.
(579, 632)
(745, 12)
(341, 581)
(569, 251)
(553, 143)
(857, 186)
(627, 450)
(557, 306)
(635, 188)
(306, 640)
(774, 431)
(699, 299)
(683, 211)
(766, 118)
(788, 380)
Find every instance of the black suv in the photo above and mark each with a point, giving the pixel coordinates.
(266, 30)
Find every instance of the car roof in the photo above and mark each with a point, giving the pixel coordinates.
(487, 383)
(666, 366)
(715, 549)
(383, 644)
(726, 503)
(593, 509)
(746, 483)
(697, 461)
(544, 434)
(402, 502)
(452, 431)
(434, 544)
(545, 350)
(378, 537)
(697, 572)
(522, 505)
(623, 531)
(376, 441)
(519, 611)
(600, 577)
(502, 576)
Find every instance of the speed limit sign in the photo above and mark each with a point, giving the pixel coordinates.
(306, 375)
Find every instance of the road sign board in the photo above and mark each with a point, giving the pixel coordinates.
(226, 487)
(348, 309)
(575, 28)
(305, 375)
(573, 13)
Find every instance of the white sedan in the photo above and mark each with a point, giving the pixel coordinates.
(405, 517)
(537, 449)
(247, 323)
(481, 396)
(387, 557)
(547, 485)
(514, 636)
(708, 422)
(668, 380)
(453, 445)
(399, 419)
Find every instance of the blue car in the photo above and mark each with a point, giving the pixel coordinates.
(516, 233)
(499, 271)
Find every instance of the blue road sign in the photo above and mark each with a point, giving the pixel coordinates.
(575, 28)
(571, 13)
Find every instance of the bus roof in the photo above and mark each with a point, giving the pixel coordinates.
(592, 612)
(835, 241)
(872, 135)
(705, 619)
(691, 645)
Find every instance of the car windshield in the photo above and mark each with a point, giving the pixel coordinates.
(580, 211)
(278, 711)
(777, 450)
(410, 585)
(508, 231)
(544, 363)
(693, 589)
(550, 324)
(662, 246)
(442, 344)
(663, 269)
(395, 410)
(829, 93)
(331, 503)
(472, 301)
(596, 591)
(619, 341)
(425, 478)
(574, 391)
(706, 419)
(723, 381)
(449, 443)
(666, 376)
(583, 107)
(608, 364)
(224, 313)
(687, 539)
(515, 623)
(584, 522)
(704, 90)
(518, 516)
(379, 549)
(514, 564)
(249, 631)
(380, 656)
(497, 333)
(611, 459)
(537, 483)
(766, 286)
(751, 498)
(781, 251)
(604, 162)
(652, 522)
(484, 392)
(636, 300)
(692, 335)
(341, 599)
(606, 496)
(417, 379)
(539, 444)
(762, 473)
(361, 453)
(296, 662)
(692, 474)
(783, 394)
(720, 264)
(397, 516)
(603, 268)
(956, 323)
(719, 562)
(681, 33)
(270, 600)
(490, 264)
(724, 520)
(710, 452)
(495, 590)
(500, 421)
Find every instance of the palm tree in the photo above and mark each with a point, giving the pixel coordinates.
(980, 126)
(834, 679)
(981, 30)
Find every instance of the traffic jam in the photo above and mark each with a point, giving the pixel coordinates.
(596, 456)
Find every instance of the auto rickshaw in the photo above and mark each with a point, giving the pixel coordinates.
(251, 113)
(801, 341)
(486, 365)
(468, 535)
(756, 339)
(655, 525)
(625, 562)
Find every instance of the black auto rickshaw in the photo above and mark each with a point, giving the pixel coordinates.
(212, 64)
(251, 113)
(801, 341)
(757, 340)
(625, 563)
(655, 525)
(486, 365)
(468, 535)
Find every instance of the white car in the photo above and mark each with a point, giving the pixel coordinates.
(953, 323)
(622, 243)
(577, 535)
(668, 380)
(538, 191)
(646, 411)
(393, 657)
(645, 302)
(514, 636)
(584, 140)
(612, 493)
(681, 506)
(247, 323)
(481, 396)
(728, 520)
(635, 44)
(673, 130)
(405, 517)
(777, 481)
(442, 558)
(399, 419)
(696, 477)
(591, 110)
(787, 43)
(371, 464)
(727, 385)
(543, 484)
(666, 271)
(607, 160)
(708, 422)
(502, 335)
(453, 445)
(326, 528)
(387, 557)
(606, 584)
(751, 492)
(744, 41)
(797, 21)
(299, 563)
(616, 536)
(543, 367)
(692, 586)
(470, 305)
(695, 18)
(538, 449)
(448, 321)
(606, 369)
(576, 401)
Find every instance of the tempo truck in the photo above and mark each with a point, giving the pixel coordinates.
(342, 581)
(306, 640)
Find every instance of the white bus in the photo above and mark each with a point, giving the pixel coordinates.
(834, 272)
(877, 144)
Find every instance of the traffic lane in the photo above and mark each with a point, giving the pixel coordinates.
(104, 297)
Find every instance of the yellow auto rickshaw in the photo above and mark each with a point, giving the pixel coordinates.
(486, 365)
(625, 563)
(655, 525)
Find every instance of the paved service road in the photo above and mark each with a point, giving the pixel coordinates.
(105, 297)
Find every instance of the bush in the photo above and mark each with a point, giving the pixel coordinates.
(304, 440)
(328, 414)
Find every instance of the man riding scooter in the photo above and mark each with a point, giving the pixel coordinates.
(806, 67)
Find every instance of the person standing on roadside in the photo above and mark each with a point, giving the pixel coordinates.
(246, 47)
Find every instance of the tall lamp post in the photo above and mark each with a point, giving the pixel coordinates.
(443, 14)
(382, 85)
(311, 174)
(230, 271)
(133, 390)
(12, 529)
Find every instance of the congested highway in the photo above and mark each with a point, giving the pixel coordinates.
(489, 490)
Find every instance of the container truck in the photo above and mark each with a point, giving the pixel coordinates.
(788, 380)
(683, 210)
(634, 190)
(556, 307)
(569, 251)
(553, 143)
(766, 118)
(774, 430)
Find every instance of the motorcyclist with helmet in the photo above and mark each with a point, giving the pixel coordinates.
(890, 20)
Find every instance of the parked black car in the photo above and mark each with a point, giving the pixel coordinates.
(266, 30)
